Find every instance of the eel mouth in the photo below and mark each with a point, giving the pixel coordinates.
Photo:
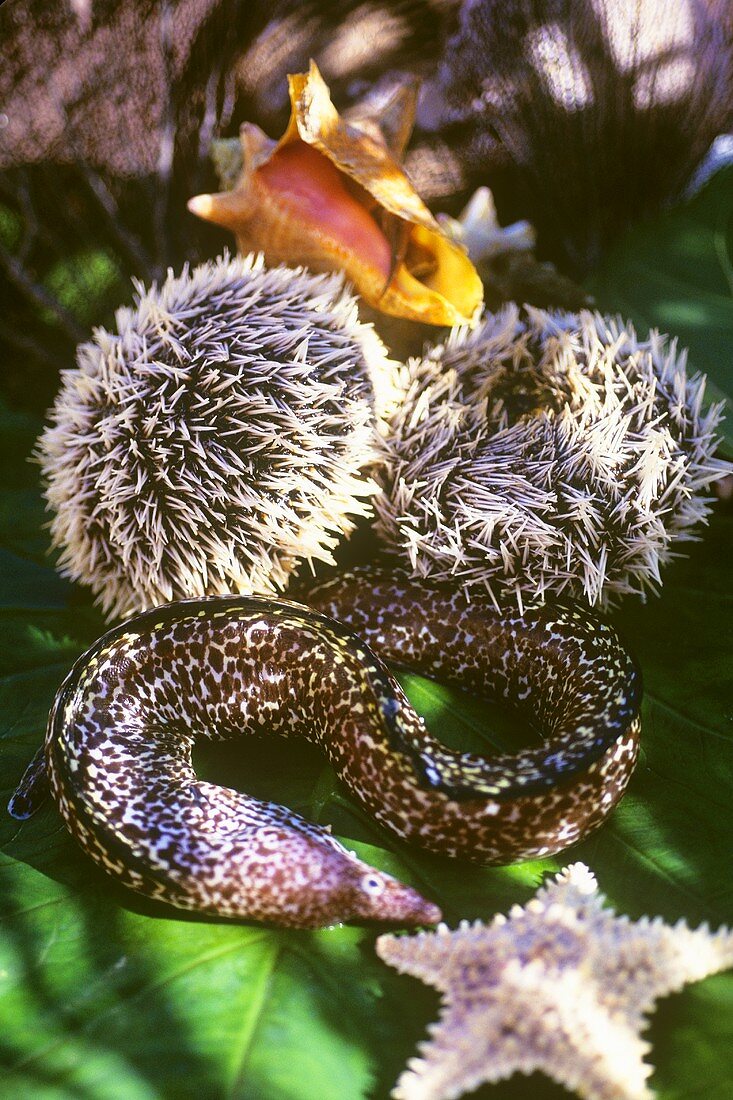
(393, 902)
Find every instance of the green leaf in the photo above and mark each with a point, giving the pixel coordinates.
(106, 995)
(675, 273)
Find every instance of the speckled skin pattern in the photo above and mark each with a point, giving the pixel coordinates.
(562, 666)
(118, 747)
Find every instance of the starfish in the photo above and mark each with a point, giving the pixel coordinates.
(505, 258)
(477, 229)
(562, 986)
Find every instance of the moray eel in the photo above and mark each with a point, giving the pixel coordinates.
(117, 754)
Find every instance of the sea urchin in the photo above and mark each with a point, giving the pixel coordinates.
(216, 438)
(547, 453)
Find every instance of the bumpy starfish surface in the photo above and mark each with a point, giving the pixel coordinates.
(561, 986)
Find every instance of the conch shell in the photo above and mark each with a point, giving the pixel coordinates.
(331, 195)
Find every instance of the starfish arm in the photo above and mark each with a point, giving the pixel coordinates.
(556, 1028)
(639, 962)
(562, 985)
(579, 1043)
(437, 958)
(471, 1045)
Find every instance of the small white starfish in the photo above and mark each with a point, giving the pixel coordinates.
(477, 228)
(562, 986)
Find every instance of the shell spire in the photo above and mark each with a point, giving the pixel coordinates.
(332, 196)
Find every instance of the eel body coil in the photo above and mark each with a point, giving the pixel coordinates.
(118, 748)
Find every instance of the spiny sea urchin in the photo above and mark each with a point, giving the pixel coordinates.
(215, 439)
(548, 453)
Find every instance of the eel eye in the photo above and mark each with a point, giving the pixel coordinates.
(372, 885)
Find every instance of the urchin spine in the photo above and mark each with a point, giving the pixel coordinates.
(548, 454)
(220, 436)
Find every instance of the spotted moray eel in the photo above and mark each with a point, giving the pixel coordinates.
(117, 753)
